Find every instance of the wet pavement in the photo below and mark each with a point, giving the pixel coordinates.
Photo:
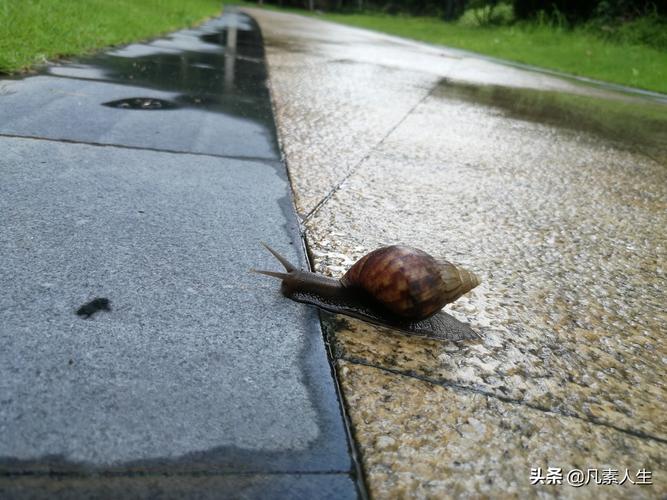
(219, 92)
(138, 356)
(554, 191)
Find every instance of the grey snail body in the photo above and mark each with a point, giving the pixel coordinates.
(397, 286)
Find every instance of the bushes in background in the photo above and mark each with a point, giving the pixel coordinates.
(573, 11)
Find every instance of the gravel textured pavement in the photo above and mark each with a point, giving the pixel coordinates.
(553, 190)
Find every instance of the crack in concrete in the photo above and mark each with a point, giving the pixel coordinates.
(374, 148)
(467, 389)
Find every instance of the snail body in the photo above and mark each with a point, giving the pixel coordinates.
(396, 286)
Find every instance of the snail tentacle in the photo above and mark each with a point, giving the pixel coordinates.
(298, 280)
(275, 274)
(286, 263)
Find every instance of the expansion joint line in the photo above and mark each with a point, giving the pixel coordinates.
(259, 159)
(165, 472)
(356, 167)
(471, 390)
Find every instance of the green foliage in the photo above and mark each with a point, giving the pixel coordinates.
(650, 30)
(570, 10)
(609, 10)
(487, 13)
(34, 31)
(579, 11)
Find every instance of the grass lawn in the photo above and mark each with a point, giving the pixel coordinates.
(573, 51)
(32, 31)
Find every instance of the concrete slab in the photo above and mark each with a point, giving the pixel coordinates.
(339, 91)
(354, 126)
(212, 79)
(491, 445)
(566, 250)
(198, 362)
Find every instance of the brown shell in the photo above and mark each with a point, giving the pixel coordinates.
(409, 282)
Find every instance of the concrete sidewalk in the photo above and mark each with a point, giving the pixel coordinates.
(554, 192)
(148, 176)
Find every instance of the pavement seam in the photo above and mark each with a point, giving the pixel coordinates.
(138, 148)
(168, 473)
(357, 473)
(374, 148)
(467, 389)
(356, 453)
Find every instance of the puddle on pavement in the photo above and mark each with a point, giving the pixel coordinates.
(634, 122)
(216, 68)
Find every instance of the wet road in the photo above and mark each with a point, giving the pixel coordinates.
(554, 191)
(145, 178)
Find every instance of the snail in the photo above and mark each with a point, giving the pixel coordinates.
(395, 286)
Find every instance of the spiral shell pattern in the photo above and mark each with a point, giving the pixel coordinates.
(409, 282)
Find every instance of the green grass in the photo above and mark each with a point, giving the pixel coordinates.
(33, 31)
(577, 51)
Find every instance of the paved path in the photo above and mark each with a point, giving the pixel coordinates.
(553, 191)
(148, 176)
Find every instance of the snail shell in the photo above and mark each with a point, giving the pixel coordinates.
(408, 281)
(396, 286)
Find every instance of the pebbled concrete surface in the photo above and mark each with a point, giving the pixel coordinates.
(550, 189)
(432, 456)
(201, 380)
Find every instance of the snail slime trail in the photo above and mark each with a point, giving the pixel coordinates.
(396, 286)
